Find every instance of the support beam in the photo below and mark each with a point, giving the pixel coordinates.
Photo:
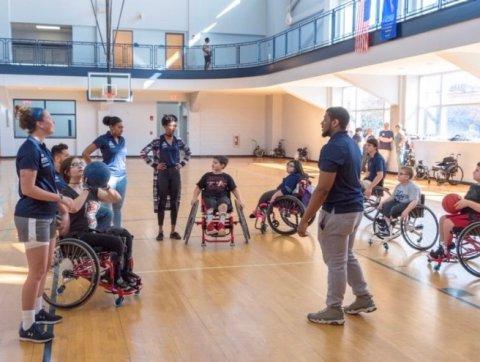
(316, 96)
(381, 86)
(467, 61)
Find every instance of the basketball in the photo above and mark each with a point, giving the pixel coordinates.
(97, 174)
(449, 201)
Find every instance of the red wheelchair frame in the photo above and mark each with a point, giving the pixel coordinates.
(230, 222)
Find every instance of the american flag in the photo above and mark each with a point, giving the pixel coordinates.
(362, 26)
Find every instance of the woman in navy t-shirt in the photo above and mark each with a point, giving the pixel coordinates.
(166, 162)
(114, 154)
(35, 216)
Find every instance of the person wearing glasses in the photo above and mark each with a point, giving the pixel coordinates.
(166, 162)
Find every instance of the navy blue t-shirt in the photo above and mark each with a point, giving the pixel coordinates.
(289, 183)
(114, 153)
(34, 155)
(342, 155)
(375, 165)
(385, 145)
(170, 153)
(60, 182)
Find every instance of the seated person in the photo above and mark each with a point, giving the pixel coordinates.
(215, 187)
(376, 168)
(469, 208)
(82, 223)
(405, 198)
(287, 187)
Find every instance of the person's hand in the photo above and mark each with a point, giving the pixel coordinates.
(178, 166)
(67, 202)
(380, 205)
(404, 215)
(368, 192)
(302, 228)
(463, 203)
(161, 166)
(193, 202)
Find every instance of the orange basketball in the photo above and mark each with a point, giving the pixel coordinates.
(449, 201)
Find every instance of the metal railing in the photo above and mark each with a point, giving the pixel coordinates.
(321, 30)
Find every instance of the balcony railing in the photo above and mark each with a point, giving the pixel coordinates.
(321, 30)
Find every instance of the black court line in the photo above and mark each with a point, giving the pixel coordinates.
(446, 291)
(47, 350)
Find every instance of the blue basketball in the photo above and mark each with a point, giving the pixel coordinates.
(97, 174)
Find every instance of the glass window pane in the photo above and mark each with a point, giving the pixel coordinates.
(349, 98)
(430, 90)
(460, 88)
(371, 119)
(62, 107)
(367, 101)
(29, 103)
(64, 126)
(429, 122)
(463, 121)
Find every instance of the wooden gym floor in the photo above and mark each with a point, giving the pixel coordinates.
(248, 302)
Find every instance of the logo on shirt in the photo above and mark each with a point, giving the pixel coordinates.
(111, 144)
(44, 160)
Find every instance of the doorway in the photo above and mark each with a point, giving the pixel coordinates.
(179, 110)
(123, 49)
(174, 43)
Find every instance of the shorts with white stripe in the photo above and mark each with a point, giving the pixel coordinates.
(35, 230)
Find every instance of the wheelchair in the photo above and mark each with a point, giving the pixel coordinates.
(77, 270)
(285, 213)
(466, 249)
(420, 231)
(371, 203)
(230, 222)
(448, 170)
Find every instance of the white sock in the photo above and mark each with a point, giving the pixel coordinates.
(209, 218)
(38, 304)
(223, 217)
(28, 318)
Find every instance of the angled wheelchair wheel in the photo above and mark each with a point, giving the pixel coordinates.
(370, 208)
(73, 275)
(455, 176)
(468, 249)
(420, 230)
(190, 222)
(242, 221)
(284, 214)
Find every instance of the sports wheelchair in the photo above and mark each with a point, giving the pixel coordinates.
(284, 214)
(466, 249)
(448, 170)
(420, 230)
(371, 203)
(230, 222)
(77, 270)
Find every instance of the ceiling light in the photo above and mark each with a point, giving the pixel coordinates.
(47, 27)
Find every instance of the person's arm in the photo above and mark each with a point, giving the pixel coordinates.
(463, 203)
(88, 151)
(196, 193)
(375, 182)
(79, 201)
(383, 201)
(277, 194)
(409, 208)
(109, 195)
(237, 196)
(145, 155)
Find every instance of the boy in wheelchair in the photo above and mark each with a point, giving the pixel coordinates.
(216, 187)
(469, 212)
(405, 198)
(82, 222)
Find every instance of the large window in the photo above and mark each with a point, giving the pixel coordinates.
(63, 113)
(366, 110)
(449, 106)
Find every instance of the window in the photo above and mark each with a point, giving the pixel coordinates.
(366, 110)
(449, 106)
(63, 113)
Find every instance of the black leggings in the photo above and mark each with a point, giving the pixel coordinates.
(168, 183)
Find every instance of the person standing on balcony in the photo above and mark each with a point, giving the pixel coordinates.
(207, 53)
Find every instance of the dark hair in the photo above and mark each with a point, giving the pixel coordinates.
(341, 114)
(168, 118)
(111, 120)
(57, 149)
(298, 167)
(373, 142)
(28, 116)
(207, 39)
(358, 129)
(222, 160)
(65, 168)
(408, 170)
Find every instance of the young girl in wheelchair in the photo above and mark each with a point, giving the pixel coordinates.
(216, 187)
(287, 187)
(469, 212)
(405, 198)
(82, 221)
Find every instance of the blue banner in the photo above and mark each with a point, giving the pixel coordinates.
(389, 19)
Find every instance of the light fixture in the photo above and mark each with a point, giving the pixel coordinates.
(47, 27)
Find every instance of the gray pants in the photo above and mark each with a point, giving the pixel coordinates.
(336, 234)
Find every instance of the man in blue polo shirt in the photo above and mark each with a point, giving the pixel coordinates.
(376, 168)
(340, 194)
(59, 154)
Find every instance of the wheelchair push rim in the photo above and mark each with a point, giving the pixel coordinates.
(468, 249)
(242, 221)
(73, 276)
(420, 230)
(284, 214)
(190, 222)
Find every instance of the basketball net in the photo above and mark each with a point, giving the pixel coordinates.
(110, 97)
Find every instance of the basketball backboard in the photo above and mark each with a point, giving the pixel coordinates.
(109, 87)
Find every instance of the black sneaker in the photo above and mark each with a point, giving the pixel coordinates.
(175, 236)
(35, 334)
(437, 254)
(159, 236)
(43, 317)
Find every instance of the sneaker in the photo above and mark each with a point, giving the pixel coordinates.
(122, 284)
(175, 236)
(252, 216)
(363, 303)
(437, 254)
(43, 317)
(159, 236)
(35, 334)
(329, 315)
(211, 229)
(221, 230)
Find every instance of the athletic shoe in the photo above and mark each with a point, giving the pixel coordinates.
(35, 334)
(363, 303)
(159, 236)
(252, 216)
(211, 229)
(437, 254)
(43, 317)
(175, 236)
(221, 229)
(329, 315)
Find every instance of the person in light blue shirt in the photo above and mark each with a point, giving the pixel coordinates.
(114, 154)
